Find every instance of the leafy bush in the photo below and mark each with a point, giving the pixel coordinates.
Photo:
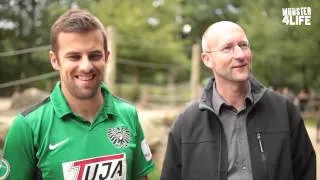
(155, 175)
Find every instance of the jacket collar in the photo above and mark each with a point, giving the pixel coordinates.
(257, 90)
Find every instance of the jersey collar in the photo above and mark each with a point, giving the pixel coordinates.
(62, 108)
(108, 105)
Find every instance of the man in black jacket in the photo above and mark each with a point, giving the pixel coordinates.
(238, 130)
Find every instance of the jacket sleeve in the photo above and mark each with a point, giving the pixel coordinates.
(171, 169)
(19, 150)
(303, 154)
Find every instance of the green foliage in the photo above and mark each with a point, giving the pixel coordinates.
(30, 28)
(128, 92)
(144, 33)
(201, 14)
(311, 122)
(154, 175)
(283, 55)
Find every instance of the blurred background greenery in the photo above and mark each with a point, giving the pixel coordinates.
(154, 40)
(161, 33)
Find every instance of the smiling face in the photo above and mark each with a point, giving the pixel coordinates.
(81, 61)
(233, 66)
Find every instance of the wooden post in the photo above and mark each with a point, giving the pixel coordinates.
(195, 69)
(111, 66)
(48, 85)
(171, 87)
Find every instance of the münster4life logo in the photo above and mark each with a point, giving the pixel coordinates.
(296, 16)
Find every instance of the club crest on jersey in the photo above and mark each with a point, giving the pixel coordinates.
(111, 167)
(119, 136)
(4, 168)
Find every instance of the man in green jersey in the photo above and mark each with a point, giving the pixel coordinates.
(81, 131)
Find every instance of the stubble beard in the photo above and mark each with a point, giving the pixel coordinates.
(84, 93)
(81, 93)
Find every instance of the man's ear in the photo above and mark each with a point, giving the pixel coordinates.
(207, 60)
(54, 60)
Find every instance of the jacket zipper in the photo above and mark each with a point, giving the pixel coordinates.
(263, 155)
(259, 138)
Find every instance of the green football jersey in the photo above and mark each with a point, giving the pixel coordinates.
(51, 142)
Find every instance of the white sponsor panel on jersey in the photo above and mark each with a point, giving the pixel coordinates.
(146, 150)
(111, 167)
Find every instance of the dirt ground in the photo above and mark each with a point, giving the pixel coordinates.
(6, 118)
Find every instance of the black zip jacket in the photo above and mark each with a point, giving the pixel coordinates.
(280, 148)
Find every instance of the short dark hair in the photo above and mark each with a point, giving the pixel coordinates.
(78, 21)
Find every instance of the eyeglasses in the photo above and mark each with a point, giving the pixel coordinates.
(229, 49)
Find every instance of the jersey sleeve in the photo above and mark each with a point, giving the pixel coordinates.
(142, 163)
(19, 150)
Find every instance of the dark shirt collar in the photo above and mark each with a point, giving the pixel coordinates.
(218, 101)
